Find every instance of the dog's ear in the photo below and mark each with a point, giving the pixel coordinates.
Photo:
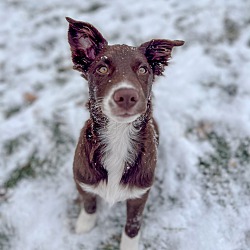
(85, 42)
(158, 53)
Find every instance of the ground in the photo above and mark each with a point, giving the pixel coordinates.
(201, 195)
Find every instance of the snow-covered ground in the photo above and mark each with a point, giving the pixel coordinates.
(201, 196)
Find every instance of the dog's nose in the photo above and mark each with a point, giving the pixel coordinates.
(126, 98)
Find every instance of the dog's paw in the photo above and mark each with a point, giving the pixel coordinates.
(128, 243)
(85, 222)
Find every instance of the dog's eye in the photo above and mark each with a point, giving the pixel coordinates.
(102, 70)
(142, 70)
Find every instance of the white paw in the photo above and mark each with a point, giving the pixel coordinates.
(85, 222)
(128, 243)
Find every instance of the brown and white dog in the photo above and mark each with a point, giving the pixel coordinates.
(117, 150)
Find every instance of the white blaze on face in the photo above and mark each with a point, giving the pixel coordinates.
(108, 103)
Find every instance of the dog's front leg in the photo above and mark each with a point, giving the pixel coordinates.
(131, 235)
(87, 217)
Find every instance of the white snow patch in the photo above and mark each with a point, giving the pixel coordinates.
(207, 82)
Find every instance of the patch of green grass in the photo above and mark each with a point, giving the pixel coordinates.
(11, 146)
(61, 80)
(222, 150)
(111, 244)
(6, 235)
(39, 162)
(23, 172)
(225, 167)
(57, 126)
(224, 153)
(232, 30)
(61, 141)
(243, 152)
(12, 111)
(4, 241)
(228, 90)
(108, 247)
(93, 8)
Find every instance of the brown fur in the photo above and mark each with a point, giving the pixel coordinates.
(90, 52)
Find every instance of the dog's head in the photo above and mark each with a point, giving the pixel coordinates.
(120, 77)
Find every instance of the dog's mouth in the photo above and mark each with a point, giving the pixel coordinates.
(123, 117)
(120, 115)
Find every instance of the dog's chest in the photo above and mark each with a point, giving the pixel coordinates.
(118, 150)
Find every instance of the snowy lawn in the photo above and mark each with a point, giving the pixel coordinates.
(201, 196)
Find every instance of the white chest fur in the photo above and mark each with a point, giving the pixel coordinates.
(118, 138)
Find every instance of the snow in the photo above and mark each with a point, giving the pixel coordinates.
(200, 198)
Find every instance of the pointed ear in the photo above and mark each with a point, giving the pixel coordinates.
(158, 53)
(86, 42)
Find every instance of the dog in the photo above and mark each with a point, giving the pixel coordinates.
(116, 155)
